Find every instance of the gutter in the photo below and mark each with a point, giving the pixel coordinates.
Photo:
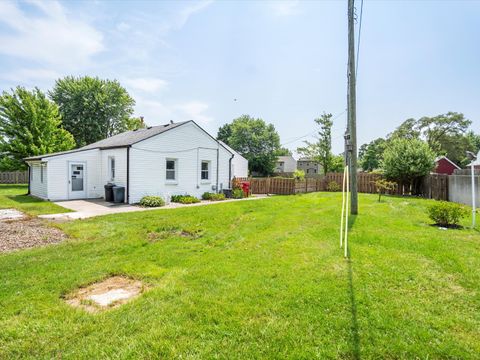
(218, 156)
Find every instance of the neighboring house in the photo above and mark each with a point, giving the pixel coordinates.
(176, 158)
(309, 166)
(444, 165)
(285, 164)
(239, 163)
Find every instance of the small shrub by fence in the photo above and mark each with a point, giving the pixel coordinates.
(14, 177)
(435, 186)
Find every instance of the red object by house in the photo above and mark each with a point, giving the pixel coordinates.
(444, 165)
(246, 188)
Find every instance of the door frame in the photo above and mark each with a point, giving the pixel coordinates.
(71, 194)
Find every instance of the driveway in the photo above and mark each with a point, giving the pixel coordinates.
(83, 209)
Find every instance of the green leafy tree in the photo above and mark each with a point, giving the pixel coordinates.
(135, 123)
(92, 108)
(30, 124)
(337, 164)
(444, 133)
(474, 141)
(283, 152)
(371, 154)
(257, 141)
(321, 150)
(407, 160)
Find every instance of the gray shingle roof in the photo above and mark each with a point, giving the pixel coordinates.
(120, 140)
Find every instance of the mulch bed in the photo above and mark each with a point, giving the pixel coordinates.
(27, 233)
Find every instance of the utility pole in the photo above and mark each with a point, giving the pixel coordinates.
(352, 116)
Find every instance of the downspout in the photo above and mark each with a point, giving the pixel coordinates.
(218, 157)
(230, 171)
(29, 169)
(128, 175)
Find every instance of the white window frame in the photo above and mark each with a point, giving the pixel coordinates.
(111, 169)
(175, 171)
(209, 167)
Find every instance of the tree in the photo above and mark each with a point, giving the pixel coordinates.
(30, 125)
(283, 152)
(474, 141)
(224, 133)
(135, 123)
(444, 133)
(257, 141)
(321, 151)
(91, 108)
(337, 164)
(407, 160)
(371, 154)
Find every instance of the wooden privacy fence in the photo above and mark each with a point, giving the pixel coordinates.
(434, 186)
(14, 177)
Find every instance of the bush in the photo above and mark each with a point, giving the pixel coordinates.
(333, 186)
(237, 194)
(446, 214)
(383, 186)
(152, 201)
(217, 197)
(212, 196)
(207, 195)
(299, 174)
(184, 199)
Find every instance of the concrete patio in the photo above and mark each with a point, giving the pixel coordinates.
(83, 209)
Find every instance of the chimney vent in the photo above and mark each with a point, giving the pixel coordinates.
(171, 121)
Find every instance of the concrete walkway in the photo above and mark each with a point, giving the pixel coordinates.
(83, 209)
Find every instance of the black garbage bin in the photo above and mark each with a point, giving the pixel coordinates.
(118, 194)
(109, 192)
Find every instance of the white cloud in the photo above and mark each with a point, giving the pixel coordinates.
(156, 112)
(123, 26)
(27, 75)
(53, 37)
(147, 84)
(195, 110)
(285, 7)
(184, 14)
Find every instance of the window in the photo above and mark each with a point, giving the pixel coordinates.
(41, 174)
(111, 165)
(171, 173)
(205, 170)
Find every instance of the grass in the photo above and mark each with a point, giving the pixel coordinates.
(264, 279)
(14, 197)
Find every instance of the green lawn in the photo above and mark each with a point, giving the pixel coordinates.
(14, 197)
(266, 280)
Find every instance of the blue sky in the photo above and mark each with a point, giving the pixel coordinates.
(283, 61)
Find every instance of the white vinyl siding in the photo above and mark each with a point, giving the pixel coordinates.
(119, 156)
(189, 146)
(38, 187)
(58, 174)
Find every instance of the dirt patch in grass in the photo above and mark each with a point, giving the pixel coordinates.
(109, 293)
(167, 231)
(27, 233)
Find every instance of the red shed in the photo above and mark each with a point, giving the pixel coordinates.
(444, 165)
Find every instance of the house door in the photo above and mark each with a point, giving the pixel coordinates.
(77, 181)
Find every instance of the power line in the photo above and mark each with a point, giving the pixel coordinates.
(359, 35)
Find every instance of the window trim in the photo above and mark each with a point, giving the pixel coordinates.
(111, 174)
(175, 171)
(209, 167)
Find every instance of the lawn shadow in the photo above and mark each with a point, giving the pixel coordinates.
(23, 199)
(355, 334)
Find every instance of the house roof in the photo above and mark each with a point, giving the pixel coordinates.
(124, 139)
(306, 159)
(285, 157)
(230, 149)
(450, 161)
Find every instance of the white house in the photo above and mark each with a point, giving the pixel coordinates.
(239, 163)
(286, 164)
(165, 160)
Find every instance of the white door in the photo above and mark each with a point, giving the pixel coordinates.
(77, 180)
